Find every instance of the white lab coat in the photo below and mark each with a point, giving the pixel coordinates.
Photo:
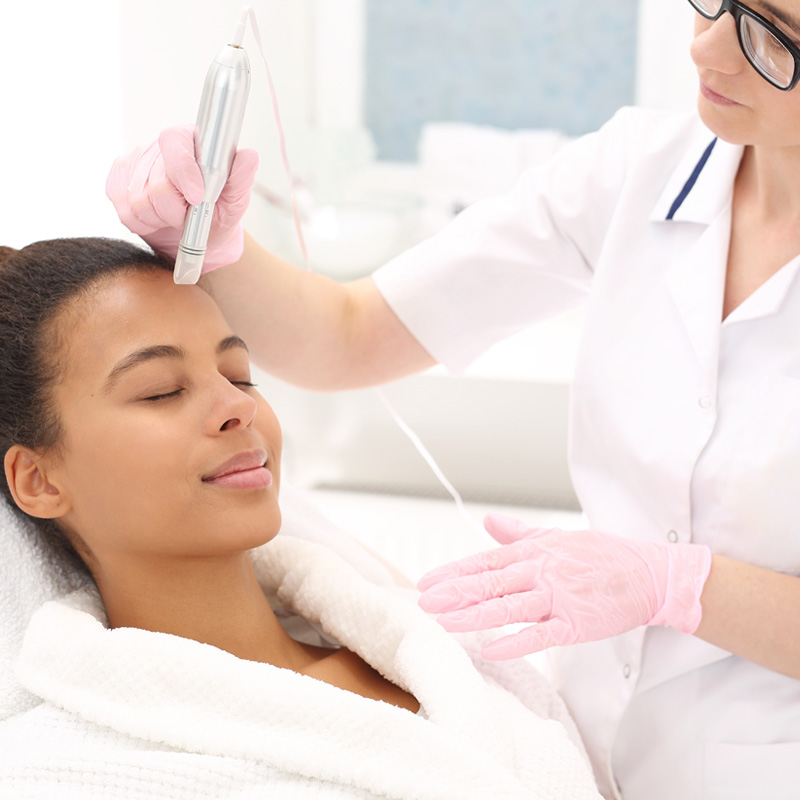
(683, 428)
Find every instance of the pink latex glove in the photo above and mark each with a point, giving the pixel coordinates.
(577, 586)
(152, 187)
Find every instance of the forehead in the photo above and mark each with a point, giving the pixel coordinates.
(131, 311)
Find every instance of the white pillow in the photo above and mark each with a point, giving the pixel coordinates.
(30, 575)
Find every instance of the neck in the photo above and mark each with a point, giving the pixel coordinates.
(769, 177)
(217, 601)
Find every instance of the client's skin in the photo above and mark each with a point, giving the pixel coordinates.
(154, 401)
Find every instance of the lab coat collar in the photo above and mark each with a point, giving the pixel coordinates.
(767, 298)
(701, 185)
(697, 284)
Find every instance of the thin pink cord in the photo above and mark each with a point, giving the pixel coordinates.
(282, 139)
(415, 440)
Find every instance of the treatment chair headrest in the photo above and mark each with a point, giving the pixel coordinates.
(31, 575)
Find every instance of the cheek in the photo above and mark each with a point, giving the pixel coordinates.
(269, 427)
(114, 464)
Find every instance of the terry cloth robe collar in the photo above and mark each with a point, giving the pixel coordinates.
(478, 741)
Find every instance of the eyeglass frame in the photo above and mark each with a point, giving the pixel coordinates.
(738, 10)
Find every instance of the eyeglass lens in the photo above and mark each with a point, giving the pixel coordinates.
(707, 6)
(766, 53)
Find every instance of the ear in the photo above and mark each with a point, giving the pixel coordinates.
(27, 476)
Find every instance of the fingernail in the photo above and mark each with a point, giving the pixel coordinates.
(457, 621)
(497, 520)
(440, 598)
(498, 517)
(433, 577)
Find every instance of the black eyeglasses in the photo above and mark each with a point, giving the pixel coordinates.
(773, 55)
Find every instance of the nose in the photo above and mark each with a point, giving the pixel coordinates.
(232, 408)
(716, 45)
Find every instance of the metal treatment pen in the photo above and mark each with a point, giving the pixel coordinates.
(219, 123)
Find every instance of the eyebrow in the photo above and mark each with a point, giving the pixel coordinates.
(784, 16)
(146, 354)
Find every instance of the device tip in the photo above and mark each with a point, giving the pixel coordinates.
(241, 27)
(188, 267)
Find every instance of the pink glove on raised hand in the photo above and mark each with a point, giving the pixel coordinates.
(577, 586)
(153, 186)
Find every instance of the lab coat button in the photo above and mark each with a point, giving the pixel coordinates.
(626, 671)
(672, 536)
(705, 401)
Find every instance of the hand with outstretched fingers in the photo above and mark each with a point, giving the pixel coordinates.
(573, 586)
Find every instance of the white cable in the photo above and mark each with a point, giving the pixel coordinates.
(423, 451)
(415, 440)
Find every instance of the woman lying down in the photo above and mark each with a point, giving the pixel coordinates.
(133, 436)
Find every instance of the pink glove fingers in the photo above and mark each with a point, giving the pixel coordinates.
(229, 210)
(141, 206)
(126, 187)
(168, 205)
(472, 589)
(506, 530)
(235, 197)
(243, 175)
(528, 607)
(476, 564)
(529, 640)
(577, 586)
(116, 176)
(177, 150)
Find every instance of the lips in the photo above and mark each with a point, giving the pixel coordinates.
(716, 97)
(241, 462)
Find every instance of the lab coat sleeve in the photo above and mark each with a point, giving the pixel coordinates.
(508, 261)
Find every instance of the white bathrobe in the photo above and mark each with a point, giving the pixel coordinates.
(133, 714)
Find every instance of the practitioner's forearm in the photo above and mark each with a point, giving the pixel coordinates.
(310, 330)
(753, 613)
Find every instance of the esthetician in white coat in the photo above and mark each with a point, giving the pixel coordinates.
(681, 235)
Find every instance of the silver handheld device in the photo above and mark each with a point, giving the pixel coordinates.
(219, 123)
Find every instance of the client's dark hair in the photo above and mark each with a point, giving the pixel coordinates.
(38, 283)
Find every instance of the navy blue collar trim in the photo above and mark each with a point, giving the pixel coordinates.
(687, 187)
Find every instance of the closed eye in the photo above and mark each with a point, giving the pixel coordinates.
(158, 397)
(167, 395)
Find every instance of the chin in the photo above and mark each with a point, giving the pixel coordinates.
(246, 528)
(721, 125)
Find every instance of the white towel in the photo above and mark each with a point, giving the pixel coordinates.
(30, 575)
(126, 708)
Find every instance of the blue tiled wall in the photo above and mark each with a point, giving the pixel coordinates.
(565, 64)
